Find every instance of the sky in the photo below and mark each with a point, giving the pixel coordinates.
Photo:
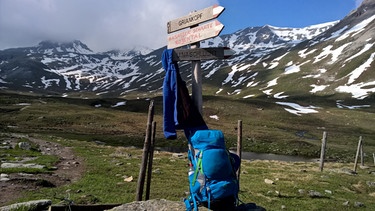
(124, 24)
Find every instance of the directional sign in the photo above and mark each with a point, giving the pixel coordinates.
(194, 18)
(202, 54)
(195, 34)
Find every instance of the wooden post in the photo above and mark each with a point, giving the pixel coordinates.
(362, 154)
(146, 147)
(196, 86)
(357, 155)
(323, 151)
(150, 160)
(373, 155)
(196, 81)
(239, 146)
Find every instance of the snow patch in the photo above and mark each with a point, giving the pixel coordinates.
(280, 96)
(218, 91)
(272, 82)
(365, 48)
(356, 29)
(214, 117)
(334, 53)
(359, 91)
(340, 105)
(317, 88)
(248, 96)
(292, 69)
(119, 104)
(359, 70)
(303, 53)
(298, 109)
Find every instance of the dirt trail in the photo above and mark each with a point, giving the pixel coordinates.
(70, 168)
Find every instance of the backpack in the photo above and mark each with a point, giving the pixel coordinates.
(212, 173)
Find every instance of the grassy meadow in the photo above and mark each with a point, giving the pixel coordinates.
(267, 127)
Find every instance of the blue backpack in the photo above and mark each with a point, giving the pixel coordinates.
(212, 173)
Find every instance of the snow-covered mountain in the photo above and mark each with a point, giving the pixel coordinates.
(335, 58)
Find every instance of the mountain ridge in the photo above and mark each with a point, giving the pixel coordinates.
(267, 60)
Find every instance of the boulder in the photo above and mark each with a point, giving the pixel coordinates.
(165, 205)
(36, 205)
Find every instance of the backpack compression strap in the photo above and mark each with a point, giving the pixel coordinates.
(198, 168)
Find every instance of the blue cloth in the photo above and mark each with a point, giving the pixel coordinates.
(169, 95)
(178, 108)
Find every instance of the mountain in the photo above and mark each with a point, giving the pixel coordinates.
(335, 58)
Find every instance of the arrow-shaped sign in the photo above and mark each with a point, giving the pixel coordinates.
(196, 34)
(194, 18)
(202, 54)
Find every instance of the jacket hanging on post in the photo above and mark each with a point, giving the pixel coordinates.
(178, 108)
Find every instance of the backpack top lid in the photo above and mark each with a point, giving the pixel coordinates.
(204, 139)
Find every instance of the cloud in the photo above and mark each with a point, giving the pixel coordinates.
(102, 25)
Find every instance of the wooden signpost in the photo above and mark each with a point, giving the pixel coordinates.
(197, 54)
(195, 34)
(190, 36)
(194, 18)
(190, 30)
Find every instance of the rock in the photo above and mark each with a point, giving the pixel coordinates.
(24, 145)
(155, 204)
(277, 193)
(128, 179)
(25, 174)
(315, 194)
(268, 181)
(346, 203)
(100, 142)
(157, 171)
(4, 177)
(36, 205)
(328, 191)
(165, 205)
(370, 184)
(22, 165)
(348, 171)
(358, 204)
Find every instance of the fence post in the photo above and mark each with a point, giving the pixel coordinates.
(146, 147)
(239, 146)
(150, 159)
(323, 150)
(357, 154)
(362, 154)
(373, 155)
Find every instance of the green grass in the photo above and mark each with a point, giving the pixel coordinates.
(293, 181)
(267, 127)
(107, 166)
